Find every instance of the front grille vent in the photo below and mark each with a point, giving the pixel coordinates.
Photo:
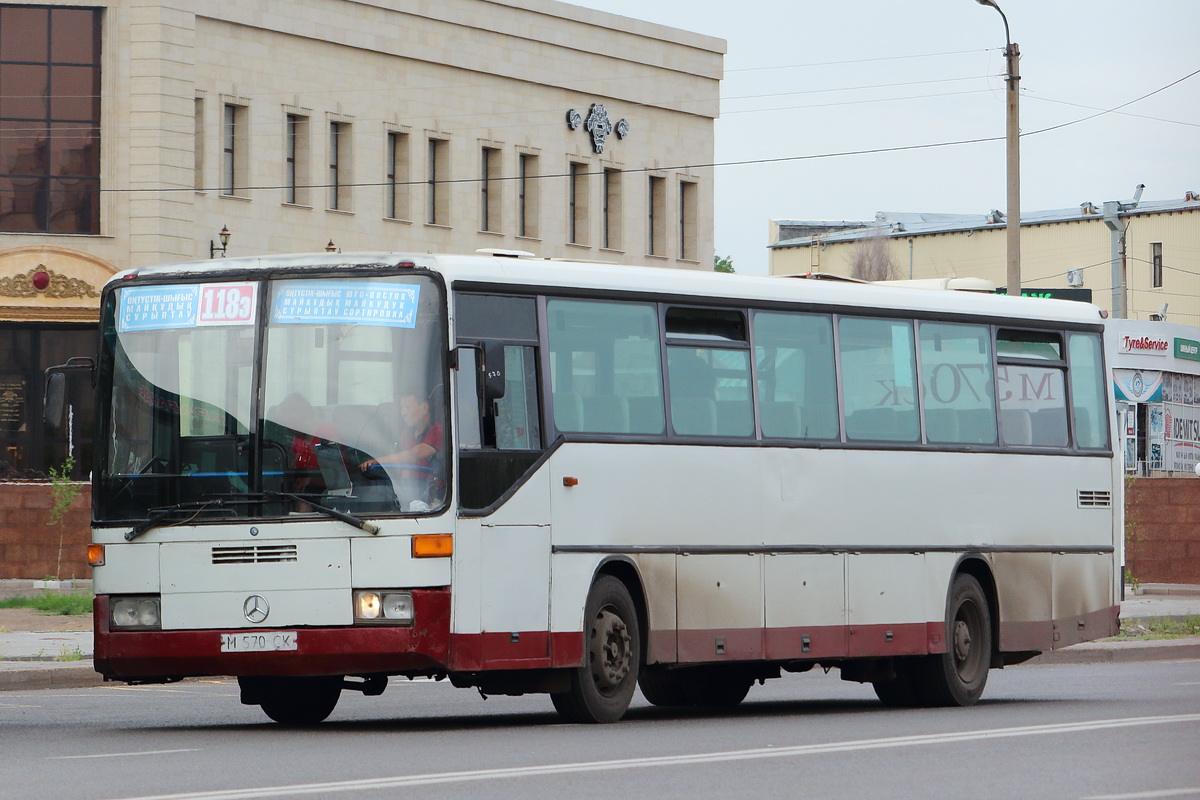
(255, 554)
(1095, 498)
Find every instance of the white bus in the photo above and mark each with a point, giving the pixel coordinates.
(319, 471)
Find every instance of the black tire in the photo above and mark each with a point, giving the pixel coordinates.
(602, 688)
(901, 691)
(664, 687)
(298, 701)
(957, 677)
(716, 688)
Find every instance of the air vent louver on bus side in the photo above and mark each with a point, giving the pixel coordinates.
(1095, 498)
(255, 554)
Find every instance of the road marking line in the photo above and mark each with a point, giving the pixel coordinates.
(430, 779)
(124, 755)
(1191, 791)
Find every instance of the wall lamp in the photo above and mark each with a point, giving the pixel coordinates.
(212, 247)
(332, 248)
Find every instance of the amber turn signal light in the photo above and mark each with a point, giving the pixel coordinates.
(96, 555)
(432, 545)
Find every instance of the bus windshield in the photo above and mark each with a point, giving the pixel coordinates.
(273, 398)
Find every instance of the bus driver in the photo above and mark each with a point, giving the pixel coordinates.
(420, 444)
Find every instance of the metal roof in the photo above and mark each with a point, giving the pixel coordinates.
(892, 223)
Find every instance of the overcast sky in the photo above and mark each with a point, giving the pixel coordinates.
(805, 79)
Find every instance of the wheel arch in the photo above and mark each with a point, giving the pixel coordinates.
(978, 567)
(627, 573)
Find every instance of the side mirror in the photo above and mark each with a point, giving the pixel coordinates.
(55, 401)
(492, 370)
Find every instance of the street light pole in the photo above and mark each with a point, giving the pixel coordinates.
(1012, 55)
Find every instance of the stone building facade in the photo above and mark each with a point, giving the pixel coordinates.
(133, 132)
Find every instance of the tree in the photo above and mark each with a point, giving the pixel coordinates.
(871, 260)
(722, 263)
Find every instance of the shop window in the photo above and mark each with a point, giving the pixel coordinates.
(28, 448)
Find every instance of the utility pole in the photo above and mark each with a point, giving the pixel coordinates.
(1012, 221)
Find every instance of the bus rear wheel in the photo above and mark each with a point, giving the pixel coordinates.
(294, 701)
(957, 676)
(602, 688)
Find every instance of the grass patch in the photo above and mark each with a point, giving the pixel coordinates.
(67, 605)
(1160, 627)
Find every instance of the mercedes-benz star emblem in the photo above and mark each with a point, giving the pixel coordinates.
(256, 608)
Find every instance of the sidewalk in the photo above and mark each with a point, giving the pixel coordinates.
(60, 659)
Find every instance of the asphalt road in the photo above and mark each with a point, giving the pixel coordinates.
(1056, 731)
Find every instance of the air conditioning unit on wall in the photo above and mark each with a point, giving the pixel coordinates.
(1074, 277)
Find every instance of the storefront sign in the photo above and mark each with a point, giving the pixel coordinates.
(1138, 386)
(1182, 437)
(1143, 345)
(1187, 348)
(12, 405)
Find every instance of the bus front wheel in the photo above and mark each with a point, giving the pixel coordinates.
(602, 688)
(293, 700)
(957, 676)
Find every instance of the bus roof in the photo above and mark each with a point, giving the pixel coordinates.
(599, 276)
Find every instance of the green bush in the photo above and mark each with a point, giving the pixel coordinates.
(53, 603)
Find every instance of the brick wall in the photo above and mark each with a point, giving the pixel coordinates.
(1162, 529)
(32, 548)
(1162, 541)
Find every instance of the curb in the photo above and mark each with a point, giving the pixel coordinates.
(1122, 652)
(49, 676)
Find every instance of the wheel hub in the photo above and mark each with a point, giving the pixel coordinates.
(962, 641)
(609, 650)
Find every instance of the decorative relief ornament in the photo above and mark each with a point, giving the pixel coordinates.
(42, 282)
(599, 126)
(574, 120)
(622, 128)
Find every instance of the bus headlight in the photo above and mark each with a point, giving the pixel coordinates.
(136, 612)
(383, 607)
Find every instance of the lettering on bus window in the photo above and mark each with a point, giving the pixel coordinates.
(1032, 396)
(796, 377)
(878, 379)
(605, 367)
(957, 383)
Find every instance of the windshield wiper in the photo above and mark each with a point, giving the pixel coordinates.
(154, 519)
(332, 513)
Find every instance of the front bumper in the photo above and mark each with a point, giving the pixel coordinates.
(358, 650)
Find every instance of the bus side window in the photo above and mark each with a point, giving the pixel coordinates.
(1087, 391)
(796, 377)
(605, 367)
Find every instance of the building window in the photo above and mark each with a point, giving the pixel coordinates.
(397, 175)
(437, 170)
(489, 190)
(656, 222)
(687, 220)
(234, 157)
(527, 195)
(198, 145)
(577, 202)
(1156, 267)
(611, 216)
(49, 119)
(28, 449)
(339, 166)
(296, 150)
